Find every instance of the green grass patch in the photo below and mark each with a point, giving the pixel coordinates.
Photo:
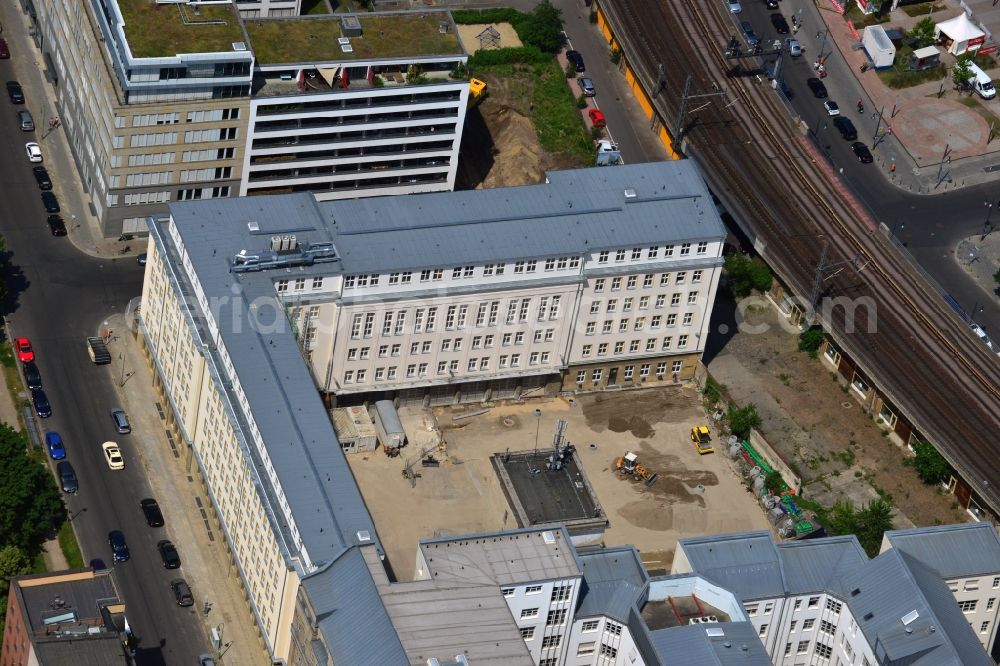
(314, 7)
(923, 9)
(70, 548)
(901, 76)
(38, 563)
(477, 16)
(164, 30)
(862, 20)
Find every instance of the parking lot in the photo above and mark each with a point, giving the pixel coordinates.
(693, 495)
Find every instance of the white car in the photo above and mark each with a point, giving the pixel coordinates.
(793, 47)
(113, 455)
(831, 107)
(34, 151)
(734, 6)
(981, 334)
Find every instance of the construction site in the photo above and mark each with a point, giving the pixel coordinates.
(448, 479)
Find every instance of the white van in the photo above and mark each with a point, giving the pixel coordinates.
(981, 82)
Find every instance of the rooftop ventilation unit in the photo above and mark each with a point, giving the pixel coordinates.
(548, 537)
(239, 46)
(715, 632)
(909, 617)
(253, 226)
(630, 193)
(364, 536)
(345, 45)
(350, 26)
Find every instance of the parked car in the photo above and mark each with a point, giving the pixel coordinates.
(151, 510)
(113, 455)
(41, 175)
(168, 554)
(817, 87)
(50, 202)
(793, 47)
(577, 60)
(748, 34)
(597, 118)
(67, 477)
(15, 92)
(32, 377)
(56, 225)
(182, 593)
(734, 6)
(586, 86)
(119, 549)
(54, 443)
(4, 49)
(206, 660)
(41, 403)
(25, 354)
(846, 128)
(120, 419)
(25, 121)
(772, 4)
(861, 151)
(33, 151)
(831, 108)
(779, 23)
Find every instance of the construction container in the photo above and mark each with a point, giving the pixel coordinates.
(355, 429)
(388, 426)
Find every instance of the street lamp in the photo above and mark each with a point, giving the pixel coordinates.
(538, 422)
(76, 515)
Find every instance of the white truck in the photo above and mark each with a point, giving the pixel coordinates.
(608, 153)
(981, 82)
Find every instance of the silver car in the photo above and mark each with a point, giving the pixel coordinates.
(734, 6)
(120, 419)
(793, 47)
(587, 86)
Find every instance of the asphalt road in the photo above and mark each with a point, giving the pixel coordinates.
(59, 296)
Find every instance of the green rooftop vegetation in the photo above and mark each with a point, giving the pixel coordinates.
(303, 40)
(163, 30)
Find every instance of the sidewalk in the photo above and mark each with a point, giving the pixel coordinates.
(81, 223)
(937, 142)
(174, 479)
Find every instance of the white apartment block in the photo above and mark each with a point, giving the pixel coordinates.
(968, 559)
(169, 101)
(823, 601)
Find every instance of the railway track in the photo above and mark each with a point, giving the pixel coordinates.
(759, 162)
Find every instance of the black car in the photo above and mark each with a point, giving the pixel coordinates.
(56, 225)
(32, 377)
(41, 175)
(67, 477)
(50, 202)
(15, 92)
(41, 402)
(182, 593)
(118, 546)
(577, 60)
(861, 150)
(779, 23)
(846, 128)
(168, 553)
(772, 4)
(817, 87)
(151, 510)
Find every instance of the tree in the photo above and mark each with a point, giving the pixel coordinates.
(542, 27)
(743, 420)
(962, 71)
(810, 341)
(745, 274)
(774, 482)
(13, 562)
(930, 465)
(923, 33)
(30, 504)
(873, 520)
(841, 518)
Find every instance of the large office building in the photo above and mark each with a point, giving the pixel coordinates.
(174, 101)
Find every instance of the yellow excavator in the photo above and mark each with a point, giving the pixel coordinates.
(702, 438)
(629, 465)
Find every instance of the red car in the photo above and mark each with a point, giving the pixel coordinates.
(4, 51)
(597, 118)
(25, 354)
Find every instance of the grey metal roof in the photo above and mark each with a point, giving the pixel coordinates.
(576, 211)
(745, 563)
(739, 644)
(104, 650)
(348, 609)
(816, 565)
(954, 551)
(502, 558)
(84, 596)
(325, 501)
(893, 586)
(615, 581)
